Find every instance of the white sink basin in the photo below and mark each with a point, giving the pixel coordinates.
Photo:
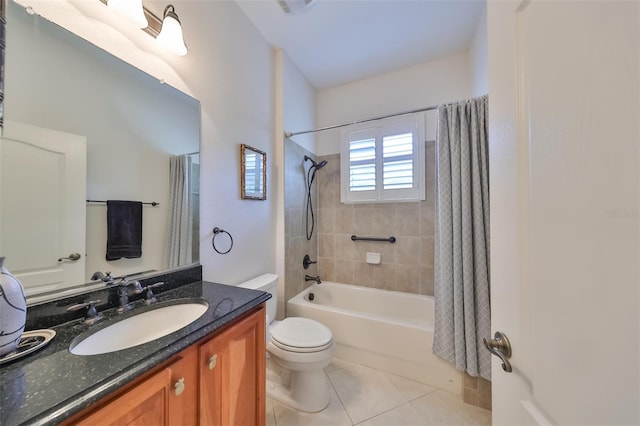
(139, 329)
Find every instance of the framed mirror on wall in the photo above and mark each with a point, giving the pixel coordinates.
(132, 126)
(253, 173)
(3, 24)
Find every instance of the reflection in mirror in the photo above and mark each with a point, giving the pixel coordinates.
(253, 173)
(142, 143)
(3, 25)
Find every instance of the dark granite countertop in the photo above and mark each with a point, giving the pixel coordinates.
(52, 384)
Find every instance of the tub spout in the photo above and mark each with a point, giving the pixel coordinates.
(310, 278)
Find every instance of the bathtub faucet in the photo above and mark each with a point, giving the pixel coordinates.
(310, 278)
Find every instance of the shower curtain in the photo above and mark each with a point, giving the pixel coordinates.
(180, 213)
(462, 300)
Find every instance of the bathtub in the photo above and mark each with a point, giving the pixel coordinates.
(386, 330)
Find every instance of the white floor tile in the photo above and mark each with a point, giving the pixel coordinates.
(271, 415)
(410, 389)
(405, 415)
(365, 396)
(365, 392)
(444, 408)
(333, 415)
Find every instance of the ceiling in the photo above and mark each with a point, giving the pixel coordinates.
(338, 41)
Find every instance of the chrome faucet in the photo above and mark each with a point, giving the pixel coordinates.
(123, 293)
(91, 315)
(310, 278)
(150, 298)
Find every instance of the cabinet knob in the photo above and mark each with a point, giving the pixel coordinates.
(212, 362)
(179, 387)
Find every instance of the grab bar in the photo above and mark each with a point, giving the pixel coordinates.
(388, 240)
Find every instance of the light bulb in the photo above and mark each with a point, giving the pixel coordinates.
(170, 36)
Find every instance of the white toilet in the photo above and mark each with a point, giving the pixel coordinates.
(298, 351)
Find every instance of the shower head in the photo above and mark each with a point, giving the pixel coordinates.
(321, 164)
(315, 165)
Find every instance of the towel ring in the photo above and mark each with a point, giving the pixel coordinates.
(216, 232)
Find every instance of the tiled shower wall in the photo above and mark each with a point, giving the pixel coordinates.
(406, 265)
(296, 244)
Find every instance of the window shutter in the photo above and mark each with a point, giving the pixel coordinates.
(397, 161)
(383, 162)
(362, 164)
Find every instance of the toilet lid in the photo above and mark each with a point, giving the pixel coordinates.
(300, 332)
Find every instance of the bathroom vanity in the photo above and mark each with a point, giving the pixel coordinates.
(211, 372)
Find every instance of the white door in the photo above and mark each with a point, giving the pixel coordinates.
(43, 206)
(564, 97)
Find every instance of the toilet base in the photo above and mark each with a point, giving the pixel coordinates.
(303, 391)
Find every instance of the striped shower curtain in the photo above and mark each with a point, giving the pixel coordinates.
(462, 300)
(179, 248)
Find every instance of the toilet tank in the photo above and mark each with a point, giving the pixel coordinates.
(268, 283)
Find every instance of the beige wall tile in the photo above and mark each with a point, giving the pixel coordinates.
(343, 271)
(364, 274)
(364, 221)
(326, 243)
(427, 220)
(405, 266)
(408, 250)
(426, 251)
(408, 279)
(426, 280)
(326, 269)
(325, 221)
(408, 220)
(344, 220)
(343, 247)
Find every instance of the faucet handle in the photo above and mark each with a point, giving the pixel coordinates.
(87, 305)
(306, 261)
(137, 287)
(91, 315)
(150, 297)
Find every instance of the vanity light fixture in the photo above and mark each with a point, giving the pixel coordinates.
(168, 31)
(131, 9)
(170, 36)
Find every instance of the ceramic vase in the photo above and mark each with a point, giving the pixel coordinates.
(13, 310)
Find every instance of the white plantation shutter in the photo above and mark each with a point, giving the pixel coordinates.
(397, 161)
(362, 161)
(383, 162)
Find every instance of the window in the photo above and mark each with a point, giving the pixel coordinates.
(384, 161)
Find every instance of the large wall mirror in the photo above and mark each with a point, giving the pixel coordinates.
(136, 133)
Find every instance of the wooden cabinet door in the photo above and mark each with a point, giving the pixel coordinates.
(152, 402)
(232, 375)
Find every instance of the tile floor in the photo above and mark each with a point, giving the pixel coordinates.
(367, 397)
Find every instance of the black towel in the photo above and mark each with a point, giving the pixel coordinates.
(124, 229)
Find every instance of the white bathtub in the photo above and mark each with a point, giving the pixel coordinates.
(387, 330)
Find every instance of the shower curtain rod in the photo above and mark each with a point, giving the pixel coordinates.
(289, 134)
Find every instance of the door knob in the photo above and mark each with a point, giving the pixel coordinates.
(500, 347)
(72, 256)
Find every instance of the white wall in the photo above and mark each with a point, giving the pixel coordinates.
(296, 109)
(431, 83)
(229, 69)
(478, 58)
(133, 124)
(299, 105)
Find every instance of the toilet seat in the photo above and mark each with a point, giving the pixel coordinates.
(303, 335)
